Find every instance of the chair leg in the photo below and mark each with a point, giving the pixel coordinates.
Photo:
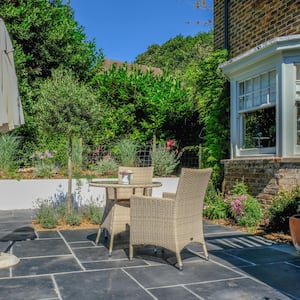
(111, 243)
(179, 261)
(98, 235)
(130, 252)
(205, 250)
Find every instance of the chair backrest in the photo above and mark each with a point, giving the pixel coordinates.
(139, 175)
(190, 193)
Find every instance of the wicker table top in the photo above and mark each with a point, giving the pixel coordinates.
(116, 184)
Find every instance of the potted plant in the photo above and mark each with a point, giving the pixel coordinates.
(294, 224)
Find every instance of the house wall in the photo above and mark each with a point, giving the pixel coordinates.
(250, 24)
(264, 177)
(253, 22)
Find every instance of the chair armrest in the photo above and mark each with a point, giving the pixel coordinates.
(169, 195)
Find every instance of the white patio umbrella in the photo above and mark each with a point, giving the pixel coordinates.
(11, 113)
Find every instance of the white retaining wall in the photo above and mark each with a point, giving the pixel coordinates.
(22, 194)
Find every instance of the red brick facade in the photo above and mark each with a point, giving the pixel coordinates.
(263, 177)
(253, 22)
(250, 23)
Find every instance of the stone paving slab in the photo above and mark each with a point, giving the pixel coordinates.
(68, 265)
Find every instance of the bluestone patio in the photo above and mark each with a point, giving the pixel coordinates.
(68, 265)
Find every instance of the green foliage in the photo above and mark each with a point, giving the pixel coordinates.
(252, 214)
(164, 161)
(46, 214)
(45, 35)
(49, 212)
(64, 105)
(43, 163)
(178, 52)
(214, 205)
(106, 166)
(8, 153)
(125, 151)
(284, 205)
(205, 82)
(140, 104)
(93, 211)
(238, 205)
(244, 209)
(77, 150)
(73, 219)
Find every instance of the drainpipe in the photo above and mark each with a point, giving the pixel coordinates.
(226, 38)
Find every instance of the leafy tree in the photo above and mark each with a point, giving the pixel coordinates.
(140, 104)
(213, 105)
(45, 36)
(66, 107)
(178, 52)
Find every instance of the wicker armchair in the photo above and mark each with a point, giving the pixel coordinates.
(116, 217)
(174, 221)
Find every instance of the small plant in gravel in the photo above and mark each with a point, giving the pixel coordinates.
(73, 218)
(51, 213)
(47, 216)
(93, 212)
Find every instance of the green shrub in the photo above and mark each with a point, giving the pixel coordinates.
(125, 151)
(73, 218)
(44, 163)
(8, 150)
(214, 205)
(106, 166)
(93, 211)
(244, 209)
(46, 214)
(164, 161)
(284, 205)
(252, 214)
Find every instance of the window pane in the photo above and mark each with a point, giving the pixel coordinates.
(260, 128)
(248, 86)
(272, 87)
(264, 80)
(241, 93)
(265, 96)
(298, 72)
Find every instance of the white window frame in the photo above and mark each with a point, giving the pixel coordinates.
(257, 94)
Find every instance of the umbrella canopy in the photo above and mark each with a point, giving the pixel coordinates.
(11, 113)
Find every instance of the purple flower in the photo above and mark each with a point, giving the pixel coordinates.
(48, 154)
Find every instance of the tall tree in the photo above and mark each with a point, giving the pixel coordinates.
(66, 106)
(45, 35)
(141, 104)
(178, 52)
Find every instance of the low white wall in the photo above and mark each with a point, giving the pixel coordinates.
(22, 194)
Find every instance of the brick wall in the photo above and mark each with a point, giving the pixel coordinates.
(263, 176)
(252, 22)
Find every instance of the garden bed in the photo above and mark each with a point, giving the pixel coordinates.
(62, 225)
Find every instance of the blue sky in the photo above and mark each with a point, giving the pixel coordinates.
(125, 28)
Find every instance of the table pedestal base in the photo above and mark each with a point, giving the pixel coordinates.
(8, 260)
